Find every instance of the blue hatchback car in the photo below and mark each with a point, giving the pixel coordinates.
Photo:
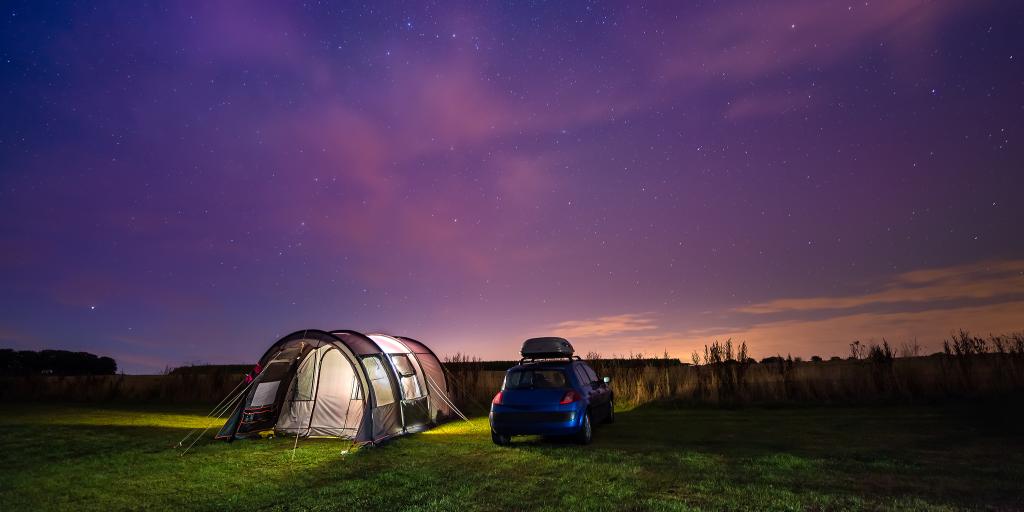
(552, 397)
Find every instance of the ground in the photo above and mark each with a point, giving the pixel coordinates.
(912, 458)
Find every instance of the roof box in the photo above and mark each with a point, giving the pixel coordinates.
(549, 347)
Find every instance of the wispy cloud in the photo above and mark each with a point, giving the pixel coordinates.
(984, 280)
(749, 43)
(832, 335)
(924, 305)
(606, 326)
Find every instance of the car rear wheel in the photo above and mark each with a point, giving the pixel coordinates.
(586, 433)
(500, 439)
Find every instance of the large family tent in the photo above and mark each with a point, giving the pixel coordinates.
(345, 384)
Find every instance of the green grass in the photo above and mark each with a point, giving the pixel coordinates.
(911, 458)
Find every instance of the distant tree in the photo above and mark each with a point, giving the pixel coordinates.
(107, 366)
(816, 359)
(54, 362)
(8, 362)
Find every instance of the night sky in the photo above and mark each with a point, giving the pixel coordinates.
(187, 182)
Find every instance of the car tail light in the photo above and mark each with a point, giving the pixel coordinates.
(570, 397)
(497, 399)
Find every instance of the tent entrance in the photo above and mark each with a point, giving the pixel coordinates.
(325, 397)
(413, 386)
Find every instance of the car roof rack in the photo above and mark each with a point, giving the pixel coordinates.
(539, 358)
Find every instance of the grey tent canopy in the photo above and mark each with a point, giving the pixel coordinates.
(363, 387)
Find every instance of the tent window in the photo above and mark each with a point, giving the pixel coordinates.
(379, 380)
(305, 378)
(265, 393)
(411, 387)
(357, 389)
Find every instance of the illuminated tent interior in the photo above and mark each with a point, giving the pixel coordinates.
(343, 384)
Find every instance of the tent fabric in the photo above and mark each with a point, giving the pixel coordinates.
(389, 345)
(343, 384)
(436, 382)
(339, 410)
(359, 343)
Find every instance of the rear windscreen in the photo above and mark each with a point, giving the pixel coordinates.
(530, 379)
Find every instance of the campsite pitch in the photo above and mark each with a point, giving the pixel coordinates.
(910, 458)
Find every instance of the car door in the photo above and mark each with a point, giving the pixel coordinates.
(601, 394)
(593, 393)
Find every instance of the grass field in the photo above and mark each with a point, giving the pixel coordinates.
(912, 458)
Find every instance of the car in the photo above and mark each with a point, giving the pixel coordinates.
(551, 395)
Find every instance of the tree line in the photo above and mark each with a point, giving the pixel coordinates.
(54, 362)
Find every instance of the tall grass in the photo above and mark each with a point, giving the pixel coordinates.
(171, 388)
(722, 374)
(471, 384)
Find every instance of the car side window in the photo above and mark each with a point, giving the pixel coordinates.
(591, 376)
(581, 375)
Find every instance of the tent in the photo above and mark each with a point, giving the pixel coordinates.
(343, 384)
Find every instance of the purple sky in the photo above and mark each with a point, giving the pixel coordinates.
(187, 182)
